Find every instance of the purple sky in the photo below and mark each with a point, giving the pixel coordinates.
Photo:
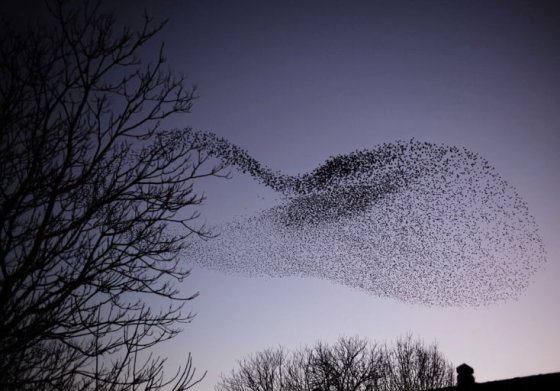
(295, 82)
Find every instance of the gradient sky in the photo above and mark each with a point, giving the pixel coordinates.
(294, 82)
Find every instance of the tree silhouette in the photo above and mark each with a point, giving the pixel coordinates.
(411, 365)
(95, 205)
(351, 364)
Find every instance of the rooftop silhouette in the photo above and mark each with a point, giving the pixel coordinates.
(466, 381)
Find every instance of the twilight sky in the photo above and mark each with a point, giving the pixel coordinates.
(295, 82)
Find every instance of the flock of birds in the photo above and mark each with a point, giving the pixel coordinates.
(415, 221)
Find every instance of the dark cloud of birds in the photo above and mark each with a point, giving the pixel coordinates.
(415, 221)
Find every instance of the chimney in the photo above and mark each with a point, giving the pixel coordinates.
(465, 378)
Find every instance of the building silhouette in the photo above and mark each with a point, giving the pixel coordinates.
(466, 382)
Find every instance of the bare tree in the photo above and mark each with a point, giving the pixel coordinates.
(411, 365)
(351, 364)
(264, 371)
(95, 205)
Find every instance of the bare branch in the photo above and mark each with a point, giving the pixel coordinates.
(96, 202)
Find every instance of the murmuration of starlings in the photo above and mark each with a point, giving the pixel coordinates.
(415, 221)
